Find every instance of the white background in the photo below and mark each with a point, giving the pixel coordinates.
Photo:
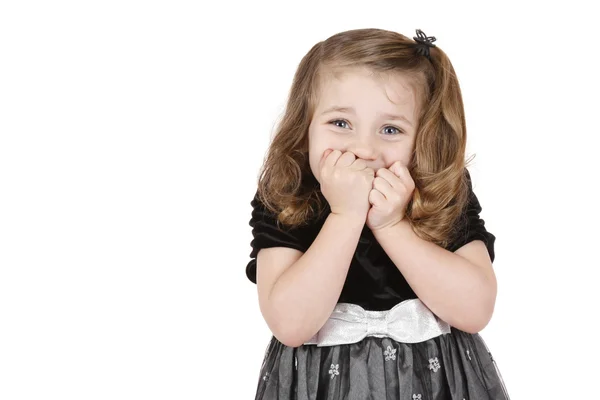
(131, 138)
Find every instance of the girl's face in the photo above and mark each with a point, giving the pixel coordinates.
(372, 116)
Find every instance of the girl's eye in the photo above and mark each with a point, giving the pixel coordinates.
(388, 130)
(339, 123)
(391, 130)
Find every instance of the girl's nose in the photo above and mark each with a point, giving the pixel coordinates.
(363, 148)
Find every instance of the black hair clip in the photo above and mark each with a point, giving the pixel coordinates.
(424, 43)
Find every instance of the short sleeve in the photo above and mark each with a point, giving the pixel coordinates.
(471, 226)
(266, 233)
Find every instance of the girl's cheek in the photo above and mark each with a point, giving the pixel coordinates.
(391, 158)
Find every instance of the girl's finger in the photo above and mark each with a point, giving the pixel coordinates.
(403, 174)
(394, 181)
(376, 198)
(330, 160)
(397, 168)
(346, 159)
(384, 187)
(358, 165)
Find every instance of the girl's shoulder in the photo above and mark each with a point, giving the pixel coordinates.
(265, 224)
(268, 232)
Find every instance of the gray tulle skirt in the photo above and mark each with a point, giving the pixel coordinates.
(456, 365)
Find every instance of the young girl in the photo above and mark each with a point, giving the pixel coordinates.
(373, 267)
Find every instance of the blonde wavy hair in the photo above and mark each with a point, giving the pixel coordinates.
(286, 185)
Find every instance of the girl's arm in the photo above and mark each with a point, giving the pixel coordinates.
(460, 288)
(298, 291)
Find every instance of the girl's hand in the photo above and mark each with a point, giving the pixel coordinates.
(346, 182)
(391, 192)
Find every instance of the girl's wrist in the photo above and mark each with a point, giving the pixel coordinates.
(351, 219)
(403, 225)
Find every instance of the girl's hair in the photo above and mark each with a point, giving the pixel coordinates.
(286, 184)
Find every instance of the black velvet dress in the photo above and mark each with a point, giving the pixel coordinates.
(454, 365)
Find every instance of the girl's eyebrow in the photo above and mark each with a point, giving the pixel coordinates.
(351, 110)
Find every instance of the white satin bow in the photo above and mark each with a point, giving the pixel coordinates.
(407, 322)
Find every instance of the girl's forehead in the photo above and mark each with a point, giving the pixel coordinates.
(332, 74)
(344, 83)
